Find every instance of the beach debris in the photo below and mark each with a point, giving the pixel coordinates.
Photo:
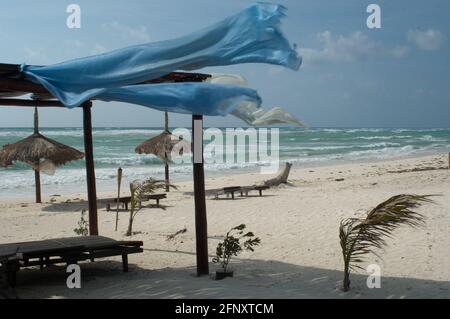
(181, 231)
(361, 236)
(282, 177)
(339, 179)
(418, 169)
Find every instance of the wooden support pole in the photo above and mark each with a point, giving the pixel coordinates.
(201, 227)
(37, 183)
(90, 170)
(166, 173)
(166, 166)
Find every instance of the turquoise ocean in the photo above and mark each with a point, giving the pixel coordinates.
(114, 147)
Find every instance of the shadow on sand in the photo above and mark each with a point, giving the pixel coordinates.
(253, 279)
(78, 206)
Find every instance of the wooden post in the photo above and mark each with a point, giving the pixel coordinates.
(90, 170)
(449, 161)
(37, 182)
(201, 228)
(166, 121)
(36, 168)
(166, 171)
(166, 166)
(119, 183)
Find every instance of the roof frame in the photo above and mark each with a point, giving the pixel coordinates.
(13, 84)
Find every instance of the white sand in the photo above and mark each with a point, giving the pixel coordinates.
(299, 257)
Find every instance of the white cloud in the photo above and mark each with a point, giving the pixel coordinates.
(98, 49)
(354, 47)
(35, 56)
(400, 51)
(428, 40)
(139, 34)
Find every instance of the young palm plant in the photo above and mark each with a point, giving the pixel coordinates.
(362, 236)
(139, 190)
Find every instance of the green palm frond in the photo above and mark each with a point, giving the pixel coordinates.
(362, 236)
(150, 186)
(138, 191)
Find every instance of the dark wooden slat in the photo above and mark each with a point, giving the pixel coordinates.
(28, 103)
(21, 85)
(174, 77)
(9, 69)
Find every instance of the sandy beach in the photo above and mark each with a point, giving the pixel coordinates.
(299, 257)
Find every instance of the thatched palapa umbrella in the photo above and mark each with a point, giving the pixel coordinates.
(163, 146)
(37, 149)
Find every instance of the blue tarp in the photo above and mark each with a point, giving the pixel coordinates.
(216, 99)
(251, 36)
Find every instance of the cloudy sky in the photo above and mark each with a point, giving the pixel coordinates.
(352, 76)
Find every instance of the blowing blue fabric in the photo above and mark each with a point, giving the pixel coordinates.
(251, 36)
(188, 98)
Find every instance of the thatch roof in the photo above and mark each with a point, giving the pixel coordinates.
(36, 147)
(163, 145)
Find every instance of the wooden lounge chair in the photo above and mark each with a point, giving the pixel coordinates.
(227, 191)
(127, 199)
(243, 190)
(69, 250)
(246, 189)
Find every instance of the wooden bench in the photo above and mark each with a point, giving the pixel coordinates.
(227, 191)
(68, 251)
(246, 189)
(239, 189)
(127, 199)
(8, 259)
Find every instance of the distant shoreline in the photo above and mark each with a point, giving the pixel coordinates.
(115, 147)
(110, 185)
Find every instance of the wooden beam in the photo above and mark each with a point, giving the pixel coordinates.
(201, 225)
(30, 103)
(90, 169)
(166, 165)
(21, 85)
(37, 182)
(37, 168)
(12, 81)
